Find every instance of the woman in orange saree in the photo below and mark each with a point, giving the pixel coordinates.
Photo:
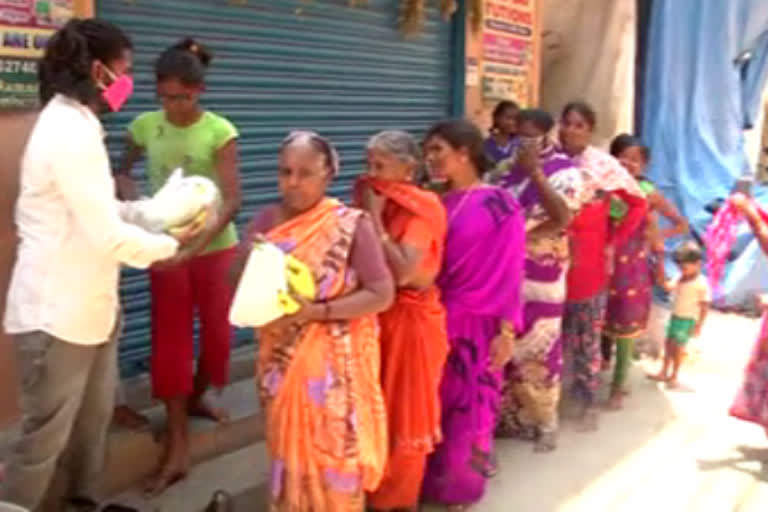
(318, 370)
(412, 225)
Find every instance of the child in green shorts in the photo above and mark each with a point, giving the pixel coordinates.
(690, 303)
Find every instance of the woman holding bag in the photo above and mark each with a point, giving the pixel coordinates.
(318, 369)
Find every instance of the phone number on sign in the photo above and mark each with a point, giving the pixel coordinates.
(18, 66)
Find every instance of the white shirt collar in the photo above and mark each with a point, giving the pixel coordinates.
(86, 112)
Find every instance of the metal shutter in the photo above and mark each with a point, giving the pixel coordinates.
(346, 72)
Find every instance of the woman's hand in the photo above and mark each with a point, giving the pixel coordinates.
(610, 259)
(742, 203)
(372, 202)
(309, 311)
(181, 256)
(502, 349)
(762, 302)
(528, 157)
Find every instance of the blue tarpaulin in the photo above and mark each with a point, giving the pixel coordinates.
(707, 63)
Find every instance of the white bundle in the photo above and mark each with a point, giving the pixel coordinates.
(181, 202)
(256, 301)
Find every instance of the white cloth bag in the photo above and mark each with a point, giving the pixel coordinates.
(256, 301)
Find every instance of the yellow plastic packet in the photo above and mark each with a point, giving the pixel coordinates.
(300, 281)
(194, 226)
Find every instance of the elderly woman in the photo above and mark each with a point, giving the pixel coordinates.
(411, 223)
(480, 282)
(318, 369)
(592, 241)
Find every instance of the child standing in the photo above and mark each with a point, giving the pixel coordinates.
(690, 303)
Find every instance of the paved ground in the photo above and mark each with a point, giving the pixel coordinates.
(667, 451)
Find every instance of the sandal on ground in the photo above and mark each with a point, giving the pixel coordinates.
(220, 502)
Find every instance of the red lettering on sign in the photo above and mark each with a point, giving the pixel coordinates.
(507, 13)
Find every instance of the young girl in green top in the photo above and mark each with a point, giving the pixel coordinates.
(202, 143)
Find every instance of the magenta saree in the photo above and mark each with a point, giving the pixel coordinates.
(480, 282)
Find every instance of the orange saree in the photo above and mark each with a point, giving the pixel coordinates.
(325, 417)
(414, 347)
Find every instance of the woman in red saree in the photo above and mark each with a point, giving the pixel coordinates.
(412, 224)
(318, 370)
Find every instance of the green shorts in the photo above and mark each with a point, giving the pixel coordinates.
(680, 329)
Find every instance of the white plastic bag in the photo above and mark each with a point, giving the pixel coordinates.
(256, 301)
(182, 201)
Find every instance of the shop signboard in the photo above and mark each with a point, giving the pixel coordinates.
(508, 50)
(25, 27)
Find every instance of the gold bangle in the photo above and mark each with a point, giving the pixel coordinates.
(385, 238)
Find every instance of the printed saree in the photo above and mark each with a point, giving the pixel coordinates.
(532, 379)
(319, 384)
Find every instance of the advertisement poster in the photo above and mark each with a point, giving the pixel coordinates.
(508, 50)
(25, 27)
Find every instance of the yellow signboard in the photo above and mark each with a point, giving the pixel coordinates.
(508, 50)
(26, 42)
(25, 28)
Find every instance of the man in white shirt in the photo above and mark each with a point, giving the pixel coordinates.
(63, 303)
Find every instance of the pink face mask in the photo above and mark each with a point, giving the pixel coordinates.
(118, 92)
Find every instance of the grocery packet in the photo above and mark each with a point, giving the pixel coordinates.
(183, 204)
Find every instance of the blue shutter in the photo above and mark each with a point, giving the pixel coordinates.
(279, 65)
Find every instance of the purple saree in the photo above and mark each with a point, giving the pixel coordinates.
(532, 379)
(480, 282)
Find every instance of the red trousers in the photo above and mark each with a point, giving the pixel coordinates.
(199, 285)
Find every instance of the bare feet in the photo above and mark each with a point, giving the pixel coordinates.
(491, 468)
(657, 377)
(172, 471)
(125, 417)
(589, 420)
(615, 401)
(546, 443)
(167, 477)
(200, 408)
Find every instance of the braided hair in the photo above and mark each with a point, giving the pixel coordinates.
(66, 66)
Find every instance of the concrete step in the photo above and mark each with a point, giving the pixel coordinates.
(134, 455)
(241, 473)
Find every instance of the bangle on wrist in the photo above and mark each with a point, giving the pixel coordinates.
(385, 237)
